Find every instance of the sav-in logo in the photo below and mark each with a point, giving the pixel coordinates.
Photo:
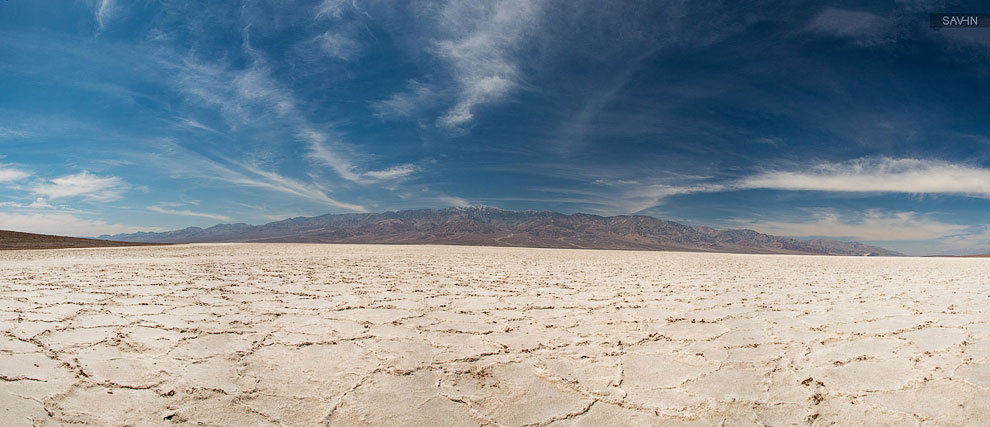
(960, 20)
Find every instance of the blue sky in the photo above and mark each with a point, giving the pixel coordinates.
(846, 120)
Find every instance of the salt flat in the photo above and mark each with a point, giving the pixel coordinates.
(445, 336)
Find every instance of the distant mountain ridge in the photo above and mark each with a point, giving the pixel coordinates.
(497, 227)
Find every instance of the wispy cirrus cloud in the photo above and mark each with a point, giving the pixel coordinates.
(333, 8)
(181, 163)
(105, 11)
(881, 175)
(479, 45)
(39, 203)
(630, 196)
(280, 217)
(8, 133)
(392, 173)
(421, 197)
(85, 185)
(322, 154)
(417, 98)
(244, 97)
(193, 124)
(271, 180)
(255, 99)
(338, 44)
(185, 212)
(872, 225)
(975, 242)
(848, 23)
(11, 174)
(864, 175)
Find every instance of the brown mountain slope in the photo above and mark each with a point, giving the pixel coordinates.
(17, 240)
(496, 227)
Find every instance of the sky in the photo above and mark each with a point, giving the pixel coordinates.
(845, 120)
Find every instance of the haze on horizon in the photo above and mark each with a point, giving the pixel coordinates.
(804, 119)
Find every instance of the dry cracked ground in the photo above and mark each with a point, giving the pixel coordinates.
(451, 336)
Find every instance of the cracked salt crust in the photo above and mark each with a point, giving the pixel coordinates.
(450, 336)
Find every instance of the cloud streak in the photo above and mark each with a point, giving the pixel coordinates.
(874, 225)
(105, 12)
(88, 186)
(880, 175)
(323, 155)
(338, 45)
(848, 23)
(407, 104)
(184, 212)
(9, 174)
(254, 98)
(182, 163)
(479, 50)
(864, 175)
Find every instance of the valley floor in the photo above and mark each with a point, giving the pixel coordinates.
(439, 335)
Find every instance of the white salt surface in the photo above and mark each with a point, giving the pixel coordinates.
(437, 336)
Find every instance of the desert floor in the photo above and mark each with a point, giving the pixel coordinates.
(437, 336)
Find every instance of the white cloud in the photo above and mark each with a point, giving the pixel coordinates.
(252, 97)
(977, 242)
(6, 133)
(452, 201)
(280, 217)
(873, 225)
(274, 181)
(848, 23)
(392, 173)
(864, 175)
(575, 130)
(9, 174)
(618, 196)
(255, 85)
(405, 104)
(338, 45)
(321, 154)
(424, 197)
(64, 224)
(105, 12)
(244, 97)
(197, 125)
(90, 187)
(475, 92)
(482, 38)
(40, 203)
(184, 212)
(181, 163)
(767, 141)
(882, 175)
(332, 8)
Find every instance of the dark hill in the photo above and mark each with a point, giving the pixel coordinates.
(18, 240)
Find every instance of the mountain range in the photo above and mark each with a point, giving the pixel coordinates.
(488, 226)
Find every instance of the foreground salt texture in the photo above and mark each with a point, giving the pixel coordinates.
(437, 336)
